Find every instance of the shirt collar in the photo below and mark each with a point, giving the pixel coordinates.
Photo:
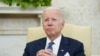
(56, 41)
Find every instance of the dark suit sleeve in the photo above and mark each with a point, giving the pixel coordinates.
(80, 51)
(26, 51)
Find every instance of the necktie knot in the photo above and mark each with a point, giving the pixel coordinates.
(50, 45)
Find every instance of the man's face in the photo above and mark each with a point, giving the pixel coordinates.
(52, 22)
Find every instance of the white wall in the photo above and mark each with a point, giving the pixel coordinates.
(12, 45)
(13, 29)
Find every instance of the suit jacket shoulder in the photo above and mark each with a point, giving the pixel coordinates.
(73, 41)
(34, 46)
(38, 41)
(72, 46)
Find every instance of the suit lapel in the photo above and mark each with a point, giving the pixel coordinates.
(62, 49)
(41, 44)
(63, 46)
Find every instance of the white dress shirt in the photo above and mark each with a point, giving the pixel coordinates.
(55, 45)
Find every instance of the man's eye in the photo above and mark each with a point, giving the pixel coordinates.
(46, 19)
(54, 19)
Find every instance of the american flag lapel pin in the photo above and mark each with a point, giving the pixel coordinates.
(62, 50)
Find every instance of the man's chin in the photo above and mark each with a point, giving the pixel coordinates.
(50, 34)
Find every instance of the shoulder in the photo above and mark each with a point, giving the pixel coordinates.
(72, 41)
(73, 44)
(35, 42)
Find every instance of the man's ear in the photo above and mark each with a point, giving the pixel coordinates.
(63, 25)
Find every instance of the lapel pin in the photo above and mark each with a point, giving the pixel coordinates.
(62, 50)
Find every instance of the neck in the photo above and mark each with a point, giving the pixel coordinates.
(53, 37)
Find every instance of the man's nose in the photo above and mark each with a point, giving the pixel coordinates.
(50, 23)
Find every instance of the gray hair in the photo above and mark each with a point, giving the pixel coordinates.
(54, 8)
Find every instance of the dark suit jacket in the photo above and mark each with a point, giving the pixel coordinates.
(73, 47)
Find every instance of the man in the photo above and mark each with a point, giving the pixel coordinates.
(54, 44)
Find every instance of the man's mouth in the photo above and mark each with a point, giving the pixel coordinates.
(49, 29)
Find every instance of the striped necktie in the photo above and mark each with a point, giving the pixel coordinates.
(50, 45)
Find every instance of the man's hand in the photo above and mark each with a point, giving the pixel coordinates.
(45, 52)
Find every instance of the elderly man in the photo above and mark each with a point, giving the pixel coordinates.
(54, 44)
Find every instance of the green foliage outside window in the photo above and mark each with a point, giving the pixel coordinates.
(27, 3)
